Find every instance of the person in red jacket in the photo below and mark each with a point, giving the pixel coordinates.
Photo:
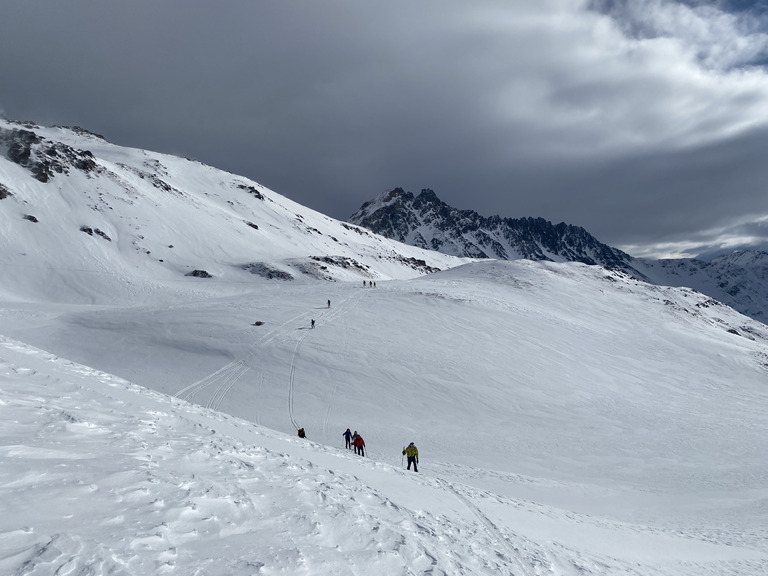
(359, 444)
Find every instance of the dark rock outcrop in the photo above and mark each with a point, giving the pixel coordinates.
(427, 222)
(43, 158)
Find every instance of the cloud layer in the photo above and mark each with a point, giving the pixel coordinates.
(642, 120)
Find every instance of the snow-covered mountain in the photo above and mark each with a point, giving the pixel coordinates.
(428, 222)
(739, 279)
(135, 218)
(571, 419)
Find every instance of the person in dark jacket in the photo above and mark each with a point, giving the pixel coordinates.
(413, 456)
(347, 439)
(302, 434)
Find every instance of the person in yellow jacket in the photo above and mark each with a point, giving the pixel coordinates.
(413, 456)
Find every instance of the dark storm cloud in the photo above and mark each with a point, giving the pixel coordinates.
(511, 107)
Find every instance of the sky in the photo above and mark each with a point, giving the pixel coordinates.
(644, 121)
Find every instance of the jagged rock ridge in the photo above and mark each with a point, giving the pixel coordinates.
(430, 223)
(739, 280)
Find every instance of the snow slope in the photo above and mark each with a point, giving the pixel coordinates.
(129, 222)
(570, 420)
(103, 477)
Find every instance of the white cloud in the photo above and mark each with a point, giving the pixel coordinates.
(720, 40)
(582, 84)
(741, 233)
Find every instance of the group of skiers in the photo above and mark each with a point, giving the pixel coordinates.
(354, 441)
(370, 284)
(312, 323)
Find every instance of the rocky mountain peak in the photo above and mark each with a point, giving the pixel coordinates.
(739, 279)
(428, 222)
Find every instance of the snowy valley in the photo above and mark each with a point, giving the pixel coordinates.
(570, 419)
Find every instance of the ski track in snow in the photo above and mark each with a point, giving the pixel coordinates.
(225, 386)
(327, 317)
(328, 411)
(223, 374)
(539, 564)
(226, 377)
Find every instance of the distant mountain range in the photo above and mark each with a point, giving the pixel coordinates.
(739, 279)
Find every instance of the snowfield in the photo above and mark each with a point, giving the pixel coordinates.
(624, 437)
(570, 420)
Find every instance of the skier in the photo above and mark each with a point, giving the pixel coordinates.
(348, 439)
(302, 434)
(413, 456)
(312, 325)
(359, 444)
(329, 303)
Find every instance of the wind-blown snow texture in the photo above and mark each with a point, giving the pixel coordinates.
(570, 419)
(739, 279)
